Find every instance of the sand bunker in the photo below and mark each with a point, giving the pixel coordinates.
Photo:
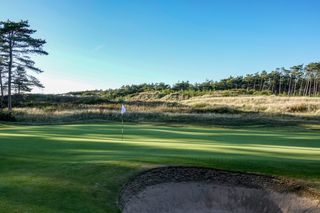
(191, 189)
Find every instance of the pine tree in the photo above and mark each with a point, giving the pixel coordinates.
(2, 70)
(23, 82)
(17, 44)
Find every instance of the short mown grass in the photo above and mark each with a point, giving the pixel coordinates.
(81, 167)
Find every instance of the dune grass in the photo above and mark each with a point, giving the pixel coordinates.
(206, 109)
(267, 104)
(81, 167)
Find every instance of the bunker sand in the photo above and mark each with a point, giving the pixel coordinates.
(201, 190)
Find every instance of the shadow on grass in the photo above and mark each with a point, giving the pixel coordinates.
(80, 168)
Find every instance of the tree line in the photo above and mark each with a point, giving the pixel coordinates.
(17, 45)
(302, 80)
(298, 80)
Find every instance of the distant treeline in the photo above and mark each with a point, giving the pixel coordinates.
(299, 80)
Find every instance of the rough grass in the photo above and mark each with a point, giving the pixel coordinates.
(218, 116)
(273, 104)
(80, 168)
(246, 110)
(206, 103)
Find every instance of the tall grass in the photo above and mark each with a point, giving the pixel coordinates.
(273, 104)
(236, 119)
(203, 109)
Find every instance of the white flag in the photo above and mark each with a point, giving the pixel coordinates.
(123, 109)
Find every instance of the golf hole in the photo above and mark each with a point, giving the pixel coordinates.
(202, 190)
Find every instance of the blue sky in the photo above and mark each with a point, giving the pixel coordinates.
(104, 44)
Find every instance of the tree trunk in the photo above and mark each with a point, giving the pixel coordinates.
(314, 87)
(10, 77)
(306, 88)
(289, 89)
(280, 85)
(1, 88)
(295, 87)
(309, 87)
(301, 87)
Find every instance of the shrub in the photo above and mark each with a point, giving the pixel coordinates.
(263, 92)
(298, 108)
(303, 108)
(7, 116)
(219, 110)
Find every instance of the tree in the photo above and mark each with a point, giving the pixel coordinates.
(2, 73)
(17, 44)
(263, 78)
(313, 70)
(183, 85)
(309, 76)
(23, 82)
(2, 70)
(280, 78)
(297, 73)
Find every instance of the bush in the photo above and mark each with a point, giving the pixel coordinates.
(263, 92)
(7, 116)
(302, 108)
(219, 110)
(200, 105)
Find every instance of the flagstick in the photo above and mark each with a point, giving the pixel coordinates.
(122, 126)
(123, 110)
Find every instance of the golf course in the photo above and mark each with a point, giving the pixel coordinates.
(82, 167)
(159, 106)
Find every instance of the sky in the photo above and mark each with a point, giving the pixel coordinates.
(101, 44)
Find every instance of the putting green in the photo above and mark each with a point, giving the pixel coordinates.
(80, 168)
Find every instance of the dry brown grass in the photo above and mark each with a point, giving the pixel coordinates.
(202, 109)
(203, 104)
(268, 104)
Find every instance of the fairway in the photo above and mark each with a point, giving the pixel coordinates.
(81, 168)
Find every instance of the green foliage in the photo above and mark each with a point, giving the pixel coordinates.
(296, 81)
(7, 116)
(61, 101)
(263, 92)
(16, 46)
(219, 110)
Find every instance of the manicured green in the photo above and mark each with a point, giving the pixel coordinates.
(80, 168)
